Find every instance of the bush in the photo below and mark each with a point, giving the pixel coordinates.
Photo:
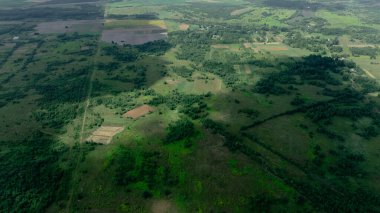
(179, 130)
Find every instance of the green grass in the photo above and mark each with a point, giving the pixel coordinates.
(276, 17)
(369, 64)
(339, 21)
(280, 50)
(211, 178)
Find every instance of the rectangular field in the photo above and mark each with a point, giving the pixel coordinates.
(104, 134)
(138, 112)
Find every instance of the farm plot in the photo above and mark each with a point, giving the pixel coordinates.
(139, 111)
(276, 48)
(133, 23)
(221, 46)
(105, 134)
(81, 26)
(184, 27)
(134, 36)
(201, 84)
(240, 12)
(244, 69)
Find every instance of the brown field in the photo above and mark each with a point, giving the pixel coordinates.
(104, 134)
(247, 69)
(139, 111)
(134, 36)
(208, 1)
(369, 73)
(37, 1)
(277, 48)
(172, 81)
(361, 45)
(163, 206)
(220, 46)
(247, 45)
(241, 11)
(250, 45)
(69, 26)
(184, 27)
(274, 46)
(374, 94)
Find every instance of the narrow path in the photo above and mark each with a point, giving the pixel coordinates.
(88, 97)
(369, 73)
(87, 104)
(83, 125)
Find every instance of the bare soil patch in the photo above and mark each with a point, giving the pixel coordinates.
(163, 206)
(69, 26)
(247, 45)
(84, 48)
(134, 36)
(374, 94)
(247, 69)
(210, 1)
(172, 81)
(105, 134)
(184, 27)
(220, 46)
(274, 46)
(361, 45)
(369, 74)
(139, 111)
(37, 1)
(277, 48)
(240, 11)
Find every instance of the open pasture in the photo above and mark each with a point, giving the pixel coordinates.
(276, 48)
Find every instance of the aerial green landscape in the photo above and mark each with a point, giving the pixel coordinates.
(176, 106)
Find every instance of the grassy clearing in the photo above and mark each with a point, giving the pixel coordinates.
(269, 16)
(277, 49)
(241, 11)
(201, 84)
(371, 65)
(339, 21)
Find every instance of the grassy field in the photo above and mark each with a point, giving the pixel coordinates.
(341, 21)
(255, 107)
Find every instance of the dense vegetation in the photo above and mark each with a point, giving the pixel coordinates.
(37, 177)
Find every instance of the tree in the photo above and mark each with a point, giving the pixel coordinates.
(179, 130)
